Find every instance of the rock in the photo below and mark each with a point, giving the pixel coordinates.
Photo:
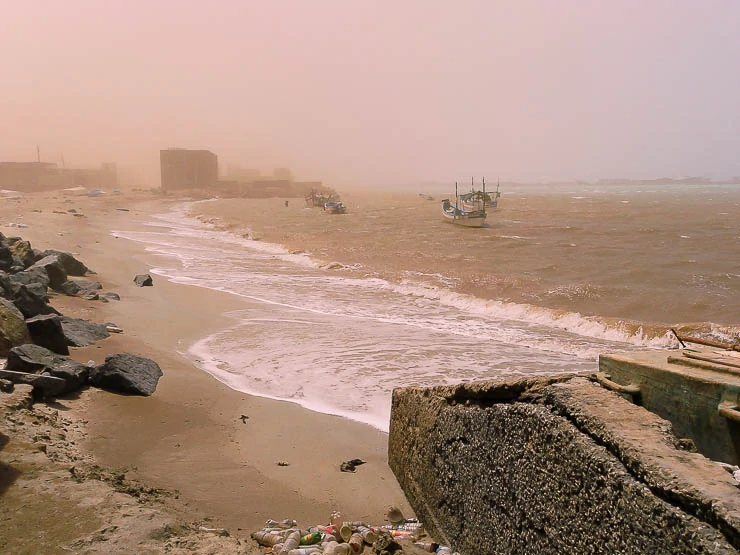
(46, 386)
(13, 329)
(6, 258)
(143, 280)
(127, 373)
(88, 295)
(6, 386)
(71, 265)
(80, 333)
(78, 286)
(22, 250)
(54, 269)
(111, 295)
(46, 331)
(34, 359)
(31, 304)
(27, 277)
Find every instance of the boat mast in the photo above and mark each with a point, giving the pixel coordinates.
(484, 194)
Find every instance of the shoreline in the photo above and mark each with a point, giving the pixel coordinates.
(189, 435)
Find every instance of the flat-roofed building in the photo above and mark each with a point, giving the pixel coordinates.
(188, 169)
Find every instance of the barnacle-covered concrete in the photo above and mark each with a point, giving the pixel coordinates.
(555, 465)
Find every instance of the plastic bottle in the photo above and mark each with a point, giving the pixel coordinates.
(304, 551)
(356, 543)
(345, 532)
(334, 548)
(284, 524)
(336, 519)
(310, 539)
(291, 542)
(444, 550)
(266, 539)
(368, 535)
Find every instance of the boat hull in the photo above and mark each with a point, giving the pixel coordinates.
(457, 216)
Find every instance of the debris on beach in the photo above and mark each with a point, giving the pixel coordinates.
(341, 537)
(283, 463)
(349, 466)
(244, 418)
(143, 280)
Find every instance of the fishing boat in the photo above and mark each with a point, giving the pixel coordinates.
(469, 209)
(335, 207)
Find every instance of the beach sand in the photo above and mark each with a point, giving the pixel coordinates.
(190, 435)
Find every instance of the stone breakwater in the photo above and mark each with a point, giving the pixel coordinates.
(35, 337)
(555, 465)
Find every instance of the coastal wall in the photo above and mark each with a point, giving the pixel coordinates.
(555, 465)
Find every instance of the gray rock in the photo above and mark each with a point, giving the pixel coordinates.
(34, 359)
(111, 295)
(27, 277)
(45, 386)
(127, 373)
(22, 250)
(6, 258)
(13, 329)
(31, 304)
(46, 331)
(6, 386)
(80, 333)
(71, 265)
(143, 280)
(54, 269)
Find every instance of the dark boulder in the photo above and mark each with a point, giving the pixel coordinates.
(22, 250)
(89, 295)
(112, 295)
(34, 359)
(143, 280)
(76, 287)
(30, 303)
(13, 329)
(127, 373)
(54, 269)
(71, 265)
(43, 384)
(37, 276)
(6, 258)
(80, 333)
(46, 331)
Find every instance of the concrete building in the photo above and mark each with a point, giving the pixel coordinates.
(45, 176)
(188, 169)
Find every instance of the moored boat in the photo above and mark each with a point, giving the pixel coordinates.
(335, 207)
(469, 209)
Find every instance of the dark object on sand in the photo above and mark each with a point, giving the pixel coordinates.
(349, 466)
(143, 280)
(127, 373)
(244, 418)
(81, 333)
(35, 359)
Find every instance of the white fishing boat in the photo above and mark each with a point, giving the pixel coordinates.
(469, 209)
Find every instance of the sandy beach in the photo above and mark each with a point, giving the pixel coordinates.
(190, 435)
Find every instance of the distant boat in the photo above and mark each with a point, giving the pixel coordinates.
(469, 209)
(318, 197)
(335, 207)
(426, 196)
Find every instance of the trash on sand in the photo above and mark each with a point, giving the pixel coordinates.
(395, 516)
(244, 418)
(283, 463)
(349, 466)
(285, 537)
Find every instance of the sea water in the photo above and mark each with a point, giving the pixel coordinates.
(557, 278)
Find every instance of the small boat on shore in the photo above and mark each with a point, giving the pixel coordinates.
(335, 207)
(469, 209)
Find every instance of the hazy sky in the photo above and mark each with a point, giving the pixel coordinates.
(352, 91)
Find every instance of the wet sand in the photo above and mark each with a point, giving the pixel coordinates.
(190, 435)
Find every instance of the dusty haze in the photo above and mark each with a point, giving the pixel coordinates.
(378, 92)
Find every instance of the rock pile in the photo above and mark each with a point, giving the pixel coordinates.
(36, 337)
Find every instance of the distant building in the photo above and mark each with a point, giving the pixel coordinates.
(188, 169)
(45, 176)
